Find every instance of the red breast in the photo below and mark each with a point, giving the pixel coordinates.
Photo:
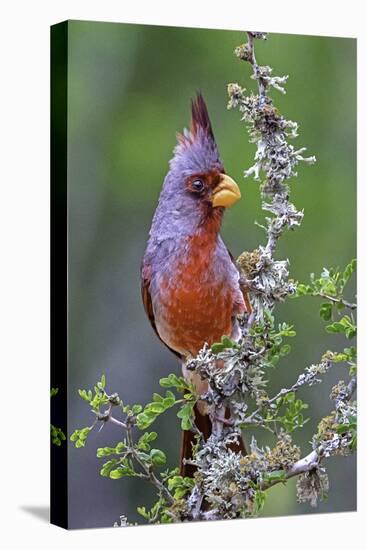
(198, 304)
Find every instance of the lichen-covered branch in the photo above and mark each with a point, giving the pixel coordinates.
(275, 162)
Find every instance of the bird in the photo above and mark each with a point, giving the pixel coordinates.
(190, 284)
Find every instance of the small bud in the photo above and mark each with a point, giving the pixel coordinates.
(244, 52)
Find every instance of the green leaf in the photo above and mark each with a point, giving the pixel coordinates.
(142, 511)
(173, 381)
(85, 395)
(57, 435)
(152, 410)
(143, 421)
(326, 311)
(157, 398)
(285, 349)
(334, 328)
(353, 443)
(180, 485)
(351, 353)
(259, 501)
(108, 467)
(156, 408)
(145, 440)
(157, 456)
(107, 451)
(186, 423)
(302, 290)
(353, 369)
(226, 343)
(79, 436)
(217, 348)
(345, 325)
(116, 474)
(124, 468)
(293, 417)
(186, 413)
(275, 476)
(286, 330)
(349, 269)
(351, 333)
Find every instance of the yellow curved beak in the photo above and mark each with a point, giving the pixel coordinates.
(226, 193)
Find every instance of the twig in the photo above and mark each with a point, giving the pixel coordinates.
(336, 300)
(147, 474)
(194, 502)
(253, 61)
(351, 388)
(313, 459)
(117, 422)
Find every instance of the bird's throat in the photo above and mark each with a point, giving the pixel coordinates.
(210, 224)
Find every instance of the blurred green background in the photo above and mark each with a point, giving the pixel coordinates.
(129, 93)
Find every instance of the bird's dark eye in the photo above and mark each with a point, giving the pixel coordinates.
(198, 185)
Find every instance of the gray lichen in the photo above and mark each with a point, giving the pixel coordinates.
(312, 486)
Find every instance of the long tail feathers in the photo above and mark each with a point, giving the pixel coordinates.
(204, 425)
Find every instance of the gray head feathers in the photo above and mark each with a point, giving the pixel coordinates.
(196, 150)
